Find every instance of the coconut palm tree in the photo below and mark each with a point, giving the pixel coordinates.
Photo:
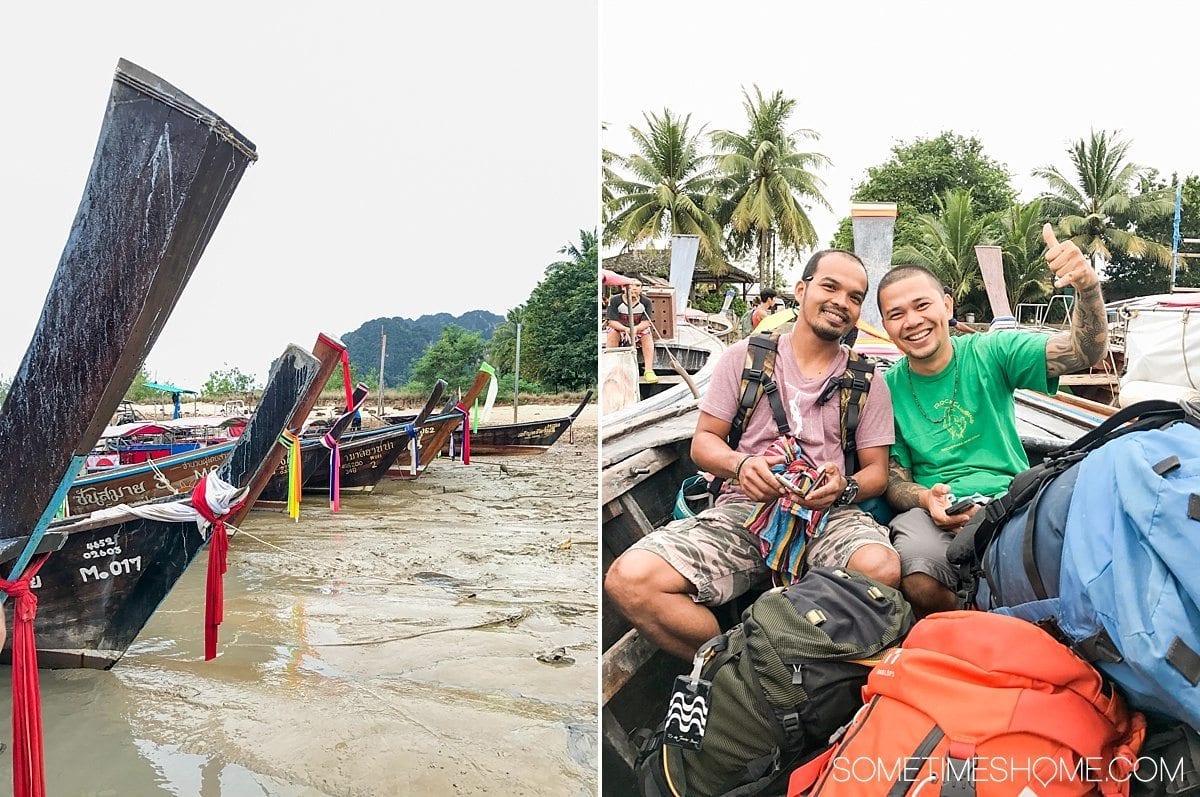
(1099, 210)
(947, 241)
(1027, 278)
(768, 181)
(667, 190)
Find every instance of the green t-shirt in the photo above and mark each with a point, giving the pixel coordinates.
(963, 431)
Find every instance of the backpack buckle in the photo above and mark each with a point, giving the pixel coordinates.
(831, 387)
(793, 730)
(1098, 647)
(959, 771)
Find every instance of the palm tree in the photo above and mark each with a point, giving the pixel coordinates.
(768, 181)
(946, 244)
(1100, 211)
(668, 190)
(1026, 276)
(502, 347)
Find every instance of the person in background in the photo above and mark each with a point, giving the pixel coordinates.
(629, 324)
(956, 328)
(766, 306)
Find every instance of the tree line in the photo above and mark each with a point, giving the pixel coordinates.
(746, 193)
(558, 324)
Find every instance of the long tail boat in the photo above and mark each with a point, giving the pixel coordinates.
(367, 456)
(312, 451)
(435, 433)
(144, 481)
(96, 594)
(163, 172)
(178, 473)
(511, 439)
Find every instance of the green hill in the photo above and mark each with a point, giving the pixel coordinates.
(407, 339)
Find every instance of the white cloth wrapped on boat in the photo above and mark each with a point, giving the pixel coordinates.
(219, 494)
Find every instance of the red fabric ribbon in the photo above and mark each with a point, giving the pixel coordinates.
(29, 770)
(346, 378)
(218, 554)
(466, 448)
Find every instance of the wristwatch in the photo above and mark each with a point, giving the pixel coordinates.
(849, 494)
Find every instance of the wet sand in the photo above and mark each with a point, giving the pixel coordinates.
(435, 637)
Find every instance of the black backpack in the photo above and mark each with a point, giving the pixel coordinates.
(781, 684)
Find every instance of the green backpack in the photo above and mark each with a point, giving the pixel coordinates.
(773, 690)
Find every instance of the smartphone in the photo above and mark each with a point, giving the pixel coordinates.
(963, 504)
(817, 482)
(803, 491)
(788, 485)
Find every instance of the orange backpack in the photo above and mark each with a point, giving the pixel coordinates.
(980, 705)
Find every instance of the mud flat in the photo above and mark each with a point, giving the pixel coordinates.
(436, 637)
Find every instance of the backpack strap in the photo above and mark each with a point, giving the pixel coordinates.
(852, 388)
(757, 381)
(967, 550)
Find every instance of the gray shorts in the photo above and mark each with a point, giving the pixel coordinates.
(922, 546)
(721, 559)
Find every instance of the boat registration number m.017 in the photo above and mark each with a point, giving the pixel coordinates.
(115, 568)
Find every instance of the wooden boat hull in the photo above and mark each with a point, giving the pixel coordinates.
(511, 439)
(163, 172)
(146, 481)
(97, 593)
(436, 431)
(365, 460)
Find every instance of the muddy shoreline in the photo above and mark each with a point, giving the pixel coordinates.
(435, 637)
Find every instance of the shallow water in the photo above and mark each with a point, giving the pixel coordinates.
(436, 637)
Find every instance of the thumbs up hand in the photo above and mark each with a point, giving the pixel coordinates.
(1069, 265)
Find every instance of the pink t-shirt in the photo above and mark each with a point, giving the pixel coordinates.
(818, 428)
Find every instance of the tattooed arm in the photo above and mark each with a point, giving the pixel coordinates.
(1082, 345)
(902, 492)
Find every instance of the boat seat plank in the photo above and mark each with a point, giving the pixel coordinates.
(636, 516)
(617, 740)
(1088, 379)
(676, 431)
(622, 662)
(620, 479)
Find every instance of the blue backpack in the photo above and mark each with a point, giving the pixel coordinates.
(1100, 545)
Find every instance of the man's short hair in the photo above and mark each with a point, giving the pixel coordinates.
(810, 268)
(897, 273)
(766, 294)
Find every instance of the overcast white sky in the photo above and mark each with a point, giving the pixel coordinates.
(414, 158)
(1025, 77)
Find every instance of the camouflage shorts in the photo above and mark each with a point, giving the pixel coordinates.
(721, 559)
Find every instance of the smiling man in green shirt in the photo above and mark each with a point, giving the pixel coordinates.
(956, 430)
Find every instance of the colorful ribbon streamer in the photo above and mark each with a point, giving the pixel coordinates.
(29, 768)
(335, 471)
(483, 404)
(291, 441)
(466, 443)
(346, 377)
(218, 564)
(782, 526)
